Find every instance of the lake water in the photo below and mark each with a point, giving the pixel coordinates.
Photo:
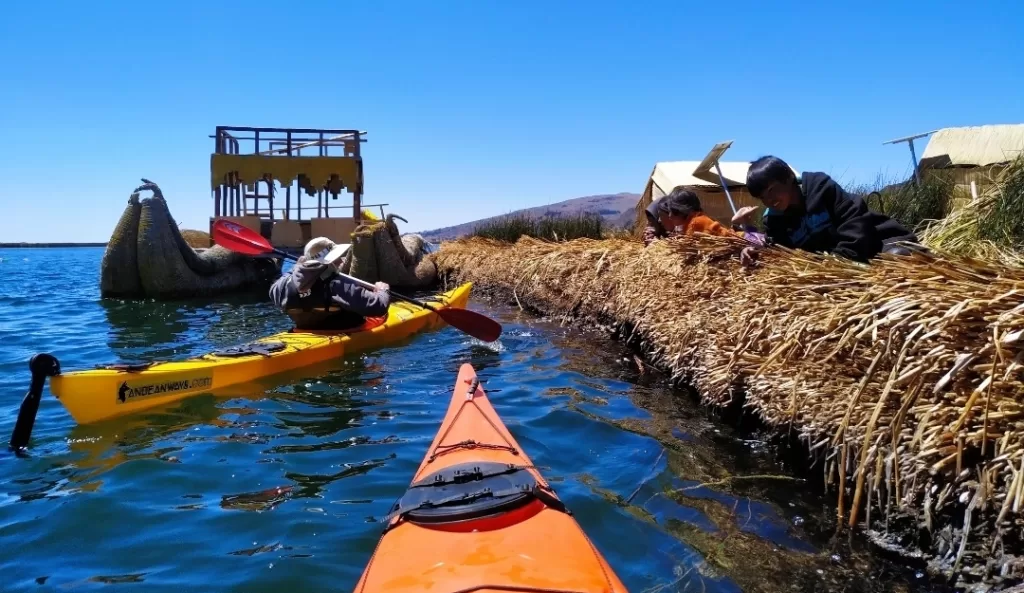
(280, 485)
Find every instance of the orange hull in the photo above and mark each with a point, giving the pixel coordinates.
(518, 538)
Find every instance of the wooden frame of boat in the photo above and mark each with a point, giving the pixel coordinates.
(247, 162)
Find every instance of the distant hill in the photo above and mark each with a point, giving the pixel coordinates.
(616, 209)
(627, 218)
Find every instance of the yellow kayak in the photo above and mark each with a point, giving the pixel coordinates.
(93, 395)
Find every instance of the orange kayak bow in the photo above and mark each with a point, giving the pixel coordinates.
(479, 517)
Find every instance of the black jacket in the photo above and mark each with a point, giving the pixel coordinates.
(833, 220)
(335, 303)
(653, 211)
(653, 229)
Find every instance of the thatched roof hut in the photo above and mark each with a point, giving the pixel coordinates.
(973, 146)
(702, 178)
(970, 153)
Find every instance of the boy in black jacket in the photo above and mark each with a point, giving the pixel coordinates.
(816, 214)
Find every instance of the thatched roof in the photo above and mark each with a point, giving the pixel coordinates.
(973, 146)
(905, 377)
(669, 175)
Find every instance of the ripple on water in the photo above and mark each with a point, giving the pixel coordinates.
(281, 486)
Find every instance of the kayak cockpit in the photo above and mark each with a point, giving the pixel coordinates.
(471, 491)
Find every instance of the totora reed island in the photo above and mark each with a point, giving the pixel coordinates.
(902, 379)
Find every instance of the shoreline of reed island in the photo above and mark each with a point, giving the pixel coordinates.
(903, 379)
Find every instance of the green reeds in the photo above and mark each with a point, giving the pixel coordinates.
(989, 226)
(1004, 222)
(510, 228)
(911, 204)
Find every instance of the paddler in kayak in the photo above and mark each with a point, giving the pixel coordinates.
(317, 298)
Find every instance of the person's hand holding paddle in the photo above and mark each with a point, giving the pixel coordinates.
(336, 257)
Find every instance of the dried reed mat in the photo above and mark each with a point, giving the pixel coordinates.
(903, 376)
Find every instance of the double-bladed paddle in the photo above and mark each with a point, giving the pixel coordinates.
(240, 239)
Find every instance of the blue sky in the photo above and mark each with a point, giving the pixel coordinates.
(476, 108)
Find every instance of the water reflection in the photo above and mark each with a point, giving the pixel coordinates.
(312, 486)
(480, 355)
(332, 445)
(116, 579)
(260, 550)
(40, 487)
(142, 331)
(330, 403)
(264, 500)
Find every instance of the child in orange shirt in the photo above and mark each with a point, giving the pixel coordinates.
(680, 213)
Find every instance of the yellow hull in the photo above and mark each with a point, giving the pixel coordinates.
(94, 395)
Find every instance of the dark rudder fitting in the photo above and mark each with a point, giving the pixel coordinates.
(42, 366)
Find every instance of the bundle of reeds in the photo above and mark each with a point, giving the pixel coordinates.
(990, 225)
(196, 239)
(905, 376)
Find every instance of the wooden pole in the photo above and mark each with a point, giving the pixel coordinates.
(319, 142)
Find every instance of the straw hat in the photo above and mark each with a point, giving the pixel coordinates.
(318, 248)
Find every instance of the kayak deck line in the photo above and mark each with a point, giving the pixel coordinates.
(107, 391)
(479, 516)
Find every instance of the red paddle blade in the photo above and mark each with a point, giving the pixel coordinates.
(233, 236)
(479, 326)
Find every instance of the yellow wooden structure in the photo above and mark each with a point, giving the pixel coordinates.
(250, 167)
